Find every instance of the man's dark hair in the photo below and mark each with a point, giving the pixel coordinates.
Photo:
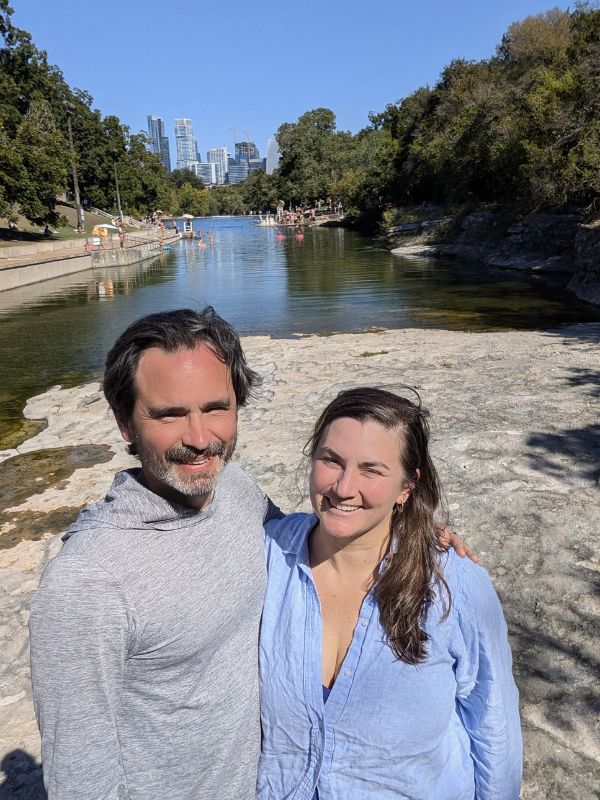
(171, 331)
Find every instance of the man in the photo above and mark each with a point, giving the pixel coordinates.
(144, 630)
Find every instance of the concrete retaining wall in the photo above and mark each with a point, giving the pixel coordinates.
(28, 249)
(129, 255)
(13, 277)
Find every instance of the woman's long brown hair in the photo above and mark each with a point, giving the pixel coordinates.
(407, 585)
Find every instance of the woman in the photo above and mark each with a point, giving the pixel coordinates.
(385, 666)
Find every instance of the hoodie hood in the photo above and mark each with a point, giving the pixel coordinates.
(130, 505)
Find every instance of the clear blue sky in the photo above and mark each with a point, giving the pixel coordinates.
(255, 64)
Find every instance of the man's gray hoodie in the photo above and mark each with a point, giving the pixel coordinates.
(144, 639)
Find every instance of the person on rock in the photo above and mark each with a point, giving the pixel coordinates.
(385, 667)
(144, 631)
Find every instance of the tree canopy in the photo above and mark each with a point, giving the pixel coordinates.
(34, 151)
(521, 128)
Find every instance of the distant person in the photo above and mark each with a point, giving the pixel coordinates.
(384, 661)
(47, 232)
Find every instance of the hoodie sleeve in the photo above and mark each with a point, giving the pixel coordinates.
(80, 630)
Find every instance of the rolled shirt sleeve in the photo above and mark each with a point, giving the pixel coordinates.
(80, 629)
(488, 700)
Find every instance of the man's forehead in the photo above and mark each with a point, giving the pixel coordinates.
(200, 355)
(162, 369)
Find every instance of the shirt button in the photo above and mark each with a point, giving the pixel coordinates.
(364, 623)
(347, 673)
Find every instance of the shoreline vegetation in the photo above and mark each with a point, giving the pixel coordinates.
(515, 435)
(519, 129)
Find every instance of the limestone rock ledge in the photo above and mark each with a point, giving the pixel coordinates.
(540, 243)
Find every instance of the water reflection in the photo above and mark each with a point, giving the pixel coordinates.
(59, 331)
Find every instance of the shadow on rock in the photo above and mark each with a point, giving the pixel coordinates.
(588, 333)
(21, 777)
(588, 378)
(574, 452)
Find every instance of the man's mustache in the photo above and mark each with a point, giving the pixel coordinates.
(189, 454)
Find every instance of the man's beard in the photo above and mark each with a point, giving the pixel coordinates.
(163, 467)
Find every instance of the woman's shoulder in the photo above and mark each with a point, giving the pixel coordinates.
(475, 604)
(289, 533)
(467, 581)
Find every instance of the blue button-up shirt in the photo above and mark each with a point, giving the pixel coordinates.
(447, 729)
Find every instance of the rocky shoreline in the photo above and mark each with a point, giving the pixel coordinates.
(537, 243)
(517, 441)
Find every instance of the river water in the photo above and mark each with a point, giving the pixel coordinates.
(334, 280)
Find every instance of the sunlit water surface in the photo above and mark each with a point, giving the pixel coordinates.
(59, 331)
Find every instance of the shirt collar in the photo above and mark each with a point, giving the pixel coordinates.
(295, 544)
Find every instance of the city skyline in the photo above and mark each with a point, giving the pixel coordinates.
(220, 167)
(183, 147)
(269, 66)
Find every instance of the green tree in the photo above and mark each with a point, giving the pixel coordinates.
(45, 166)
(226, 200)
(192, 200)
(143, 180)
(260, 192)
(310, 156)
(33, 158)
(180, 176)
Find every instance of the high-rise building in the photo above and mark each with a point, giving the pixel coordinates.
(273, 155)
(218, 157)
(245, 151)
(187, 150)
(237, 171)
(159, 143)
(206, 171)
(256, 163)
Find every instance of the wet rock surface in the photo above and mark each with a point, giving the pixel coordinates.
(516, 437)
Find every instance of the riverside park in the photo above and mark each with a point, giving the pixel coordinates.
(458, 254)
